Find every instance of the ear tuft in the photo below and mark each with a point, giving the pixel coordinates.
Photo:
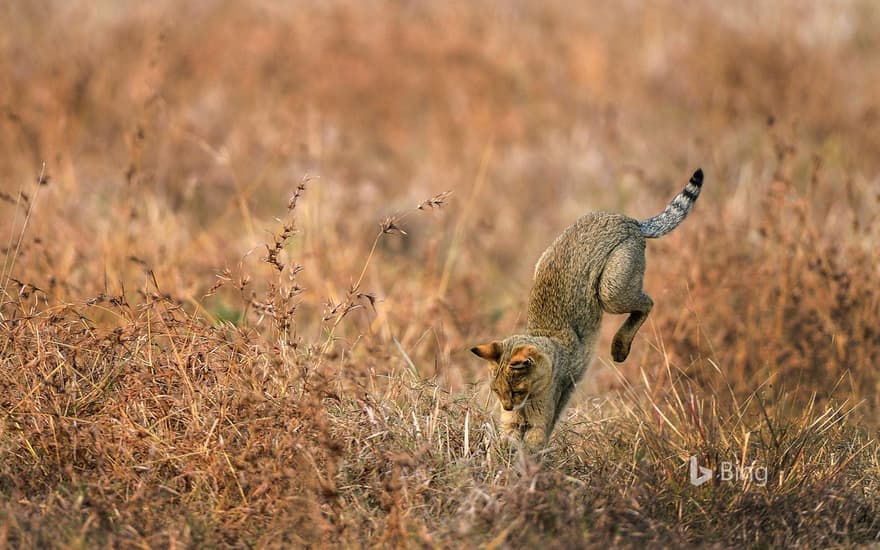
(489, 352)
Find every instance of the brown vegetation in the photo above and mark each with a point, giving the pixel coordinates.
(237, 293)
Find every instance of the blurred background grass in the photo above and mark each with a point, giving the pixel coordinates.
(175, 134)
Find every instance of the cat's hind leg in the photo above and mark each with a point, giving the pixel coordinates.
(620, 291)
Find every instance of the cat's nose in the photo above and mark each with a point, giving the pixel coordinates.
(507, 406)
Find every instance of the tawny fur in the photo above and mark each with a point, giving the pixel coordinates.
(596, 265)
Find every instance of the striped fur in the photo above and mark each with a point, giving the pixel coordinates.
(676, 211)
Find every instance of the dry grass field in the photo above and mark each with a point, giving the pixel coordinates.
(246, 247)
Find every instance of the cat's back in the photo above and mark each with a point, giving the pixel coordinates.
(567, 274)
(586, 243)
(598, 230)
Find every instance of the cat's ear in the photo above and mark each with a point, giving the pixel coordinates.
(523, 357)
(490, 352)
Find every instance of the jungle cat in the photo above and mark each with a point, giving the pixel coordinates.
(595, 265)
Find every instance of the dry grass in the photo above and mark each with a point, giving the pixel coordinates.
(246, 247)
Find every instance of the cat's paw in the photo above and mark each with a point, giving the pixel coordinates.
(620, 349)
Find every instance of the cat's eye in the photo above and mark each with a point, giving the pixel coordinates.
(524, 364)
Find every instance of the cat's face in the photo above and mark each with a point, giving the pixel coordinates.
(519, 371)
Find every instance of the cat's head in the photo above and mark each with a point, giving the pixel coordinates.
(520, 368)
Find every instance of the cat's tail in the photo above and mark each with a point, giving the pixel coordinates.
(676, 211)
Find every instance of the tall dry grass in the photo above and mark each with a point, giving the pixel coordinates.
(246, 247)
